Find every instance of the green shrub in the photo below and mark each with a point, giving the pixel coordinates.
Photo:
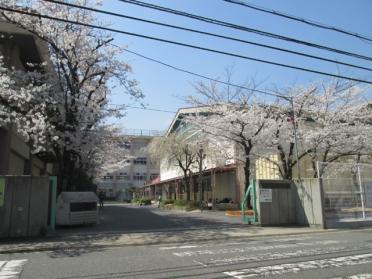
(135, 200)
(145, 201)
(167, 202)
(180, 202)
(188, 205)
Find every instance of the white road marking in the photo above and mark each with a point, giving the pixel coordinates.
(300, 266)
(252, 248)
(231, 243)
(203, 264)
(289, 239)
(179, 247)
(11, 269)
(358, 276)
(275, 256)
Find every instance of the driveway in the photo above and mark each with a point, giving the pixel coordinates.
(116, 218)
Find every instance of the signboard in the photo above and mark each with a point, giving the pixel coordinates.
(368, 192)
(266, 195)
(2, 191)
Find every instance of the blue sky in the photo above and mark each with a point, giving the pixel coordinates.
(164, 88)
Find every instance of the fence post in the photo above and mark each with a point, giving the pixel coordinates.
(53, 202)
(322, 196)
(361, 191)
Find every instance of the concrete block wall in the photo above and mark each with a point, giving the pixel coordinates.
(293, 203)
(281, 210)
(25, 209)
(309, 203)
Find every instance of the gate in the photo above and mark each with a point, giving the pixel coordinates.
(347, 190)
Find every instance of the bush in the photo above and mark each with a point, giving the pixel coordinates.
(135, 200)
(180, 202)
(144, 201)
(188, 205)
(167, 202)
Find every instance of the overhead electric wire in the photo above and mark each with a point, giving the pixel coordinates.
(143, 108)
(209, 34)
(203, 76)
(243, 28)
(184, 45)
(299, 19)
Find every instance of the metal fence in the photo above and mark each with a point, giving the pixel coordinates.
(347, 190)
(143, 132)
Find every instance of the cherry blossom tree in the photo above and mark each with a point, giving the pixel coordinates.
(24, 103)
(327, 120)
(83, 63)
(175, 151)
(233, 116)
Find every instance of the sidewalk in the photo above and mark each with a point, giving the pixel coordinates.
(116, 239)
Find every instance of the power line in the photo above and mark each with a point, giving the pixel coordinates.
(209, 34)
(143, 108)
(185, 45)
(203, 76)
(299, 19)
(219, 81)
(243, 28)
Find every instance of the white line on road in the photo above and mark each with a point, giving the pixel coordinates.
(179, 247)
(253, 248)
(301, 266)
(357, 276)
(282, 255)
(11, 269)
(231, 243)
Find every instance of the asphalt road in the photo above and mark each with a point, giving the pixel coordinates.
(324, 255)
(134, 218)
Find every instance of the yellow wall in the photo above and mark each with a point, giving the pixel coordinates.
(266, 169)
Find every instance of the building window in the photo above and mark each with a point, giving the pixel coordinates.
(140, 161)
(138, 145)
(108, 177)
(140, 176)
(153, 176)
(126, 145)
(123, 177)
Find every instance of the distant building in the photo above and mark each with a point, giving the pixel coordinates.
(138, 171)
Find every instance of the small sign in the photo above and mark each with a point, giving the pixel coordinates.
(2, 191)
(266, 195)
(368, 192)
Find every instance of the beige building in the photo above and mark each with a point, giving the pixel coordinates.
(220, 180)
(138, 170)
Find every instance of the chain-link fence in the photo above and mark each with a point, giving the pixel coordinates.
(347, 190)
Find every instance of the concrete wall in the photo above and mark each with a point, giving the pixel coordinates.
(296, 203)
(309, 203)
(16, 157)
(25, 209)
(281, 210)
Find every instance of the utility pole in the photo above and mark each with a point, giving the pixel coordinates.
(200, 186)
(295, 139)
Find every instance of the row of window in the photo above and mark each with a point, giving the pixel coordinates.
(126, 177)
(133, 145)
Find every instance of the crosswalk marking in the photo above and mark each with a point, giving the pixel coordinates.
(253, 248)
(357, 276)
(300, 266)
(11, 269)
(276, 255)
